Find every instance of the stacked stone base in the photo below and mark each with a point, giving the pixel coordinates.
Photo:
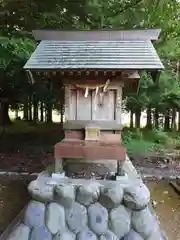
(72, 209)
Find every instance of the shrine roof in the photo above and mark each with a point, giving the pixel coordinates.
(110, 53)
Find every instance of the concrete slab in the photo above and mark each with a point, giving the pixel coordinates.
(128, 167)
(111, 165)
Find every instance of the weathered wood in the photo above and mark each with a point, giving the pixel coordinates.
(118, 105)
(104, 125)
(74, 148)
(83, 106)
(79, 107)
(67, 101)
(104, 112)
(97, 35)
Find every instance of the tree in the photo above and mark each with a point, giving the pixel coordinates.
(88, 14)
(161, 97)
(14, 53)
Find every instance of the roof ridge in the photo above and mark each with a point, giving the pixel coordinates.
(148, 34)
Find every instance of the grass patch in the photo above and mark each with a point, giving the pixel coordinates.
(142, 146)
(144, 141)
(30, 137)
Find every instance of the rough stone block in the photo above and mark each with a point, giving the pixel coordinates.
(88, 194)
(120, 221)
(65, 194)
(132, 235)
(35, 214)
(80, 211)
(98, 218)
(136, 197)
(21, 232)
(111, 197)
(40, 191)
(144, 222)
(156, 235)
(55, 218)
(86, 234)
(76, 217)
(39, 233)
(109, 236)
(65, 236)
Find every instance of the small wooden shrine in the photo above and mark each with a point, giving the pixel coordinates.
(95, 67)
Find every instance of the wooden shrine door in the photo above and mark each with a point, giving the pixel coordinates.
(83, 106)
(89, 108)
(103, 106)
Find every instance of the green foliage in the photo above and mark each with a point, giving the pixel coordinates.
(142, 98)
(142, 147)
(158, 136)
(19, 18)
(144, 141)
(14, 52)
(33, 138)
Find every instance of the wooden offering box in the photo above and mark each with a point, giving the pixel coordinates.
(92, 133)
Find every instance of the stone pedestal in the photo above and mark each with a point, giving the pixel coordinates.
(76, 209)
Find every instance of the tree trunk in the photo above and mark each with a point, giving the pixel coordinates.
(4, 114)
(131, 119)
(45, 115)
(25, 109)
(35, 112)
(138, 118)
(156, 119)
(179, 120)
(62, 103)
(173, 122)
(49, 104)
(49, 112)
(30, 108)
(61, 114)
(167, 120)
(149, 119)
(16, 114)
(178, 73)
(42, 112)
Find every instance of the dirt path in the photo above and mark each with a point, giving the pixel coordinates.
(37, 162)
(13, 197)
(167, 206)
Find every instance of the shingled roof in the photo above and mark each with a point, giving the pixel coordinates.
(103, 50)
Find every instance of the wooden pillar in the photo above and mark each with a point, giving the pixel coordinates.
(67, 101)
(58, 165)
(119, 105)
